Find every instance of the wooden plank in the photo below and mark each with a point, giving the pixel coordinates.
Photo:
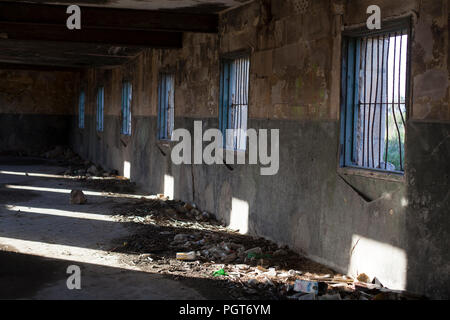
(32, 67)
(140, 38)
(110, 18)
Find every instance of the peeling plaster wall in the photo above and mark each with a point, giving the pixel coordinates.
(35, 109)
(397, 231)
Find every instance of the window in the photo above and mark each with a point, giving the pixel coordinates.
(165, 106)
(126, 107)
(81, 110)
(100, 107)
(233, 105)
(375, 99)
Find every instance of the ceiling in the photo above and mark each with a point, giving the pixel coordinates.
(189, 6)
(34, 32)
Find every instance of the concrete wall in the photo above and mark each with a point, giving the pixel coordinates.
(35, 109)
(394, 229)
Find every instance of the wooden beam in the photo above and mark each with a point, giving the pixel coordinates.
(32, 67)
(71, 49)
(110, 18)
(42, 32)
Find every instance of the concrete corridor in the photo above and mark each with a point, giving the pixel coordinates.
(41, 234)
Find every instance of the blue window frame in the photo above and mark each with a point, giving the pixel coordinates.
(233, 104)
(100, 108)
(127, 95)
(375, 98)
(81, 103)
(166, 88)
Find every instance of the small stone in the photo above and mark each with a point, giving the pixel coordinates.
(77, 197)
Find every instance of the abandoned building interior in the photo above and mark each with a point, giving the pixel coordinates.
(361, 186)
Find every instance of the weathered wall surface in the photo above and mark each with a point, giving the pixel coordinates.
(397, 231)
(35, 109)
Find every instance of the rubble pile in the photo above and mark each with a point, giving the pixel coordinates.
(178, 239)
(77, 167)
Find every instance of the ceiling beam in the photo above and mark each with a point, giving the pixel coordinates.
(43, 32)
(32, 67)
(109, 18)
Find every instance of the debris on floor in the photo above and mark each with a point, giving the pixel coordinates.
(77, 166)
(177, 238)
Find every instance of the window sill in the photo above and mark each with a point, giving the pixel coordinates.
(371, 173)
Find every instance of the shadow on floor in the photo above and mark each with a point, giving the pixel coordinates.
(24, 276)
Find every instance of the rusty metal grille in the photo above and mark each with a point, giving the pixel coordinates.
(375, 101)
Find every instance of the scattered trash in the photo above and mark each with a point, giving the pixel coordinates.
(377, 282)
(255, 267)
(186, 255)
(306, 286)
(219, 273)
(363, 278)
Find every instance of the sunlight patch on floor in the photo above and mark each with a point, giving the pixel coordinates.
(60, 213)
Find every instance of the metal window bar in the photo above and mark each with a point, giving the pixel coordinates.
(375, 101)
(234, 84)
(100, 108)
(166, 109)
(81, 104)
(126, 108)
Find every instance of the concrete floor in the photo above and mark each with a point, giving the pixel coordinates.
(37, 244)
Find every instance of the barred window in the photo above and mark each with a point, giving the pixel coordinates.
(100, 108)
(81, 103)
(126, 107)
(166, 106)
(234, 85)
(374, 100)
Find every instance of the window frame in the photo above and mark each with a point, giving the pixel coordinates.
(100, 111)
(388, 27)
(81, 109)
(225, 95)
(164, 100)
(127, 101)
